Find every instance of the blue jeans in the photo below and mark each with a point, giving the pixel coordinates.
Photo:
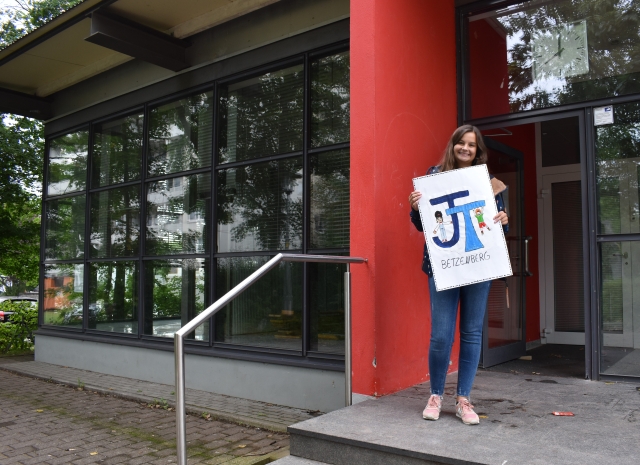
(444, 310)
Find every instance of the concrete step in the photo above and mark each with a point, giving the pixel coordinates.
(516, 426)
(291, 460)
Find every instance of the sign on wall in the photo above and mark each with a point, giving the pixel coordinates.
(465, 245)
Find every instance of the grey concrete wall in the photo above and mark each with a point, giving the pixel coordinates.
(277, 384)
(273, 23)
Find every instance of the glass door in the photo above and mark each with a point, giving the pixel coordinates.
(503, 336)
(618, 202)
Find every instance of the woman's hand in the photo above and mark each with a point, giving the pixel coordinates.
(413, 199)
(501, 218)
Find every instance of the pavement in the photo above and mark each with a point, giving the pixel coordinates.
(51, 414)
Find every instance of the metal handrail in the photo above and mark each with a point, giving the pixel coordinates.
(228, 297)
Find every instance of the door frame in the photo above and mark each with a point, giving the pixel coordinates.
(589, 218)
(496, 355)
(546, 258)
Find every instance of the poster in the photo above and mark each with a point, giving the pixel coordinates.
(465, 245)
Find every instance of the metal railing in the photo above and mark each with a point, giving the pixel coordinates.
(226, 299)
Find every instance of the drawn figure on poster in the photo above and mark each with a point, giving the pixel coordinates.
(440, 226)
(471, 240)
(479, 214)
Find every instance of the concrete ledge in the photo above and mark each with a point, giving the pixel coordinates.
(297, 387)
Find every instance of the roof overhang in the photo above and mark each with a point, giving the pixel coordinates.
(97, 35)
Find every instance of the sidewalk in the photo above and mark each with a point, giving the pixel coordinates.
(233, 409)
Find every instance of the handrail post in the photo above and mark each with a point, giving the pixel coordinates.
(347, 336)
(181, 425)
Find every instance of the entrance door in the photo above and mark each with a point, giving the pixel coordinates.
(563, 286)
(503, 335)
(618, 194)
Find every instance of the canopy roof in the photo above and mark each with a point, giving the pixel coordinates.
(97, 35)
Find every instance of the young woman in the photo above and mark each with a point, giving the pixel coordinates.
(465, 148)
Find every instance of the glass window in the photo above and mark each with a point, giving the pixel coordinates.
(67, 170)
(176, 215)
(175, 292)
(617, 162)
(180, 135)
(260, 206)
(330, 100)
(542, 54)
(63, 294)
(115, 222)
(64, 228)
(262, 116)
(620, 308)
(329, 212)
(269, 313)
(327, 307)
(113, 297)
(117, 151)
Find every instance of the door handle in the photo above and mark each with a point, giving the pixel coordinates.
(526, 240)
(623, 255)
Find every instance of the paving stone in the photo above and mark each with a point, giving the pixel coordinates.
(55, 424)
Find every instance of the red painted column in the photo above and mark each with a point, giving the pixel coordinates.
(403, 110)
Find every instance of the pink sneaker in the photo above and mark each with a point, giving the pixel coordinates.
(432, 410)
(464, 411)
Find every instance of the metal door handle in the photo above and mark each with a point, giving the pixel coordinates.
(526, 240)
(623, 255)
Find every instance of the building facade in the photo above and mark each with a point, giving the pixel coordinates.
(189, 143)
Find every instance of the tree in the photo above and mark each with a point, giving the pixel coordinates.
(21, 150)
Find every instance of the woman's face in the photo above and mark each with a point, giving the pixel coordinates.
(465, 150)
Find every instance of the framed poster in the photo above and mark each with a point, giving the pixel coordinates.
(465, 245)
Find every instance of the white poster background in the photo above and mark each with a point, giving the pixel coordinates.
(462, 257)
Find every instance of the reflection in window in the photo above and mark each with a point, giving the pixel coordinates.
(617, 162)
(262, 116)
(327, 307)
(330, 99)
(64, 228)
(117, 151)
(330, 199)
(175, 292)
(176, 215)
(180, 135)
(260, 206)
(620, 308)
(113, 291)
(269, 313)
(543, 54)
(63, 291)
(115, 222)
(67, 170)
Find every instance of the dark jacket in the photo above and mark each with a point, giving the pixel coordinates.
(415, 219)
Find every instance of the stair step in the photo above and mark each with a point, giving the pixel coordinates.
(516, 426)
(291, 460)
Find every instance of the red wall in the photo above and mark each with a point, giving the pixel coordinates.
(403, 110)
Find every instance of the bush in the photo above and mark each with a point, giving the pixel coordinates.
(17, 334)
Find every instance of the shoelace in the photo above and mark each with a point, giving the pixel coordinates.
(466, 406)
(433, 402)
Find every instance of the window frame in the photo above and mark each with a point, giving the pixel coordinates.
(302, 357)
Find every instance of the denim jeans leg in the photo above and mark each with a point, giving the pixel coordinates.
(444, 310)
(473, 305)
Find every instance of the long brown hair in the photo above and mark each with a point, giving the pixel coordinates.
(448, 161)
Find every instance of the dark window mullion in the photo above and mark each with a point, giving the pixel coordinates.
(306, 122)
(87, 232)
(143, 222)
(213, 226)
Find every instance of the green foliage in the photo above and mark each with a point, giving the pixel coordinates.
(21, 149)
(27, 15)
(17, 334)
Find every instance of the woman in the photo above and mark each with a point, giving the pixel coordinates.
(465, 148)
